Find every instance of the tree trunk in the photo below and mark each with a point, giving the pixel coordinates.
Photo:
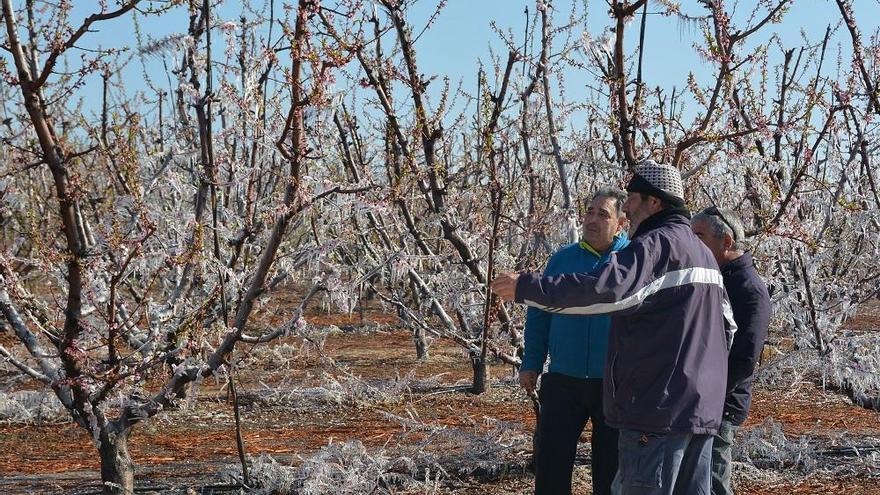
(421, 343)
(481, 382)
(117, 470)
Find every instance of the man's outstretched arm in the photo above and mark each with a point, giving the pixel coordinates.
(628, 279)
(595, 292)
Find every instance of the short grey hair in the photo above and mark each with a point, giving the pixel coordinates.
(618, 195)
(722, 221)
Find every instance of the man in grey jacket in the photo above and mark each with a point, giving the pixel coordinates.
(671, 328)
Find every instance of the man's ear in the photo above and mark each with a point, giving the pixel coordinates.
(622, 224)
(728, 242)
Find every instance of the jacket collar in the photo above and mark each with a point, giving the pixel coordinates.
(618, 243)
(738, 264)
(669, 215)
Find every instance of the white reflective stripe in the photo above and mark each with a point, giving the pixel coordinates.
(696, 275)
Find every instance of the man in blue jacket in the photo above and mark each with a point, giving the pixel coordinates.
(571, 391)
(722, 232)
(671, 328)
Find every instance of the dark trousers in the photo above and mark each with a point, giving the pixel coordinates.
(566, 405)
(722, 445)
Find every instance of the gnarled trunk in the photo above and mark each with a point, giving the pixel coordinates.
(117, 470)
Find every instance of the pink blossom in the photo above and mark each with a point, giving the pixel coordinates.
(228, 27)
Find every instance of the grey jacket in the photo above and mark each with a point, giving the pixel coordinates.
(671, 326)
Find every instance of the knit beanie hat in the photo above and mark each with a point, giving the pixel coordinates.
(660, 180)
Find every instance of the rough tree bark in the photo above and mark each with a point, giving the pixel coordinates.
(117, 468)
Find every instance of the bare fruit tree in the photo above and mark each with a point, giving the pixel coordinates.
(155, 241)
(306, 146)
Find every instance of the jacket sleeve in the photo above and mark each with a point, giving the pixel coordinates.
(537, 333)
(752, 314)
(615, 286)
(537, 336)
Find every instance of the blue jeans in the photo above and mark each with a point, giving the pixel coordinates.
(721, 458)
(663, 464)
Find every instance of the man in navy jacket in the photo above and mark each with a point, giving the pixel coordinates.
(671, 326)
(722, 232)
(571, 390)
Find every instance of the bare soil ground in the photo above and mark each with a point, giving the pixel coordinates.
(188, 447)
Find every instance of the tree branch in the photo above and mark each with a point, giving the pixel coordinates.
(83, 29)
(23, 367)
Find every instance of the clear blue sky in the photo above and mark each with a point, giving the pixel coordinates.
(461, 35)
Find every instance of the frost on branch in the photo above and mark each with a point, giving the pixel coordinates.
(340, 468)
(854, 366)
(767, 448)
(31, 406)
(428, 458)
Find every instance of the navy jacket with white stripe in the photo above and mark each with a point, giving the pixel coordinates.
(671, 326)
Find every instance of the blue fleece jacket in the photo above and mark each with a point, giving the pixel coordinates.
(573, 351)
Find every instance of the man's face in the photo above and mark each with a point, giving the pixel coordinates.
(702, 230)
(638, 209)
(601, 222)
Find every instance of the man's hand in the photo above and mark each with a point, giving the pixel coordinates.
(505, 285)
(528, 380)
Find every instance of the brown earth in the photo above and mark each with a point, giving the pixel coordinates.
(188, 447)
